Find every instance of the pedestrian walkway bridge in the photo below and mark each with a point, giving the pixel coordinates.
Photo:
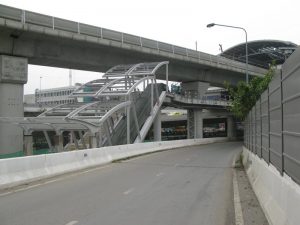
(117, 109)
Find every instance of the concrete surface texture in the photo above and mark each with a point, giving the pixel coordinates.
(16, 171)
(251, 209)
(13, 74)
(278, 195)
(191, 185)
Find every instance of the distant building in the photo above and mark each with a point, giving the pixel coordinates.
(55, 96)
(29, 99)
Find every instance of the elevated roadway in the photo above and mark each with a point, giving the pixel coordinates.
(51, 41)
(191, 185)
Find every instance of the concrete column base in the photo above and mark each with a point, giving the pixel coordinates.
(59, 143)
(28, 145)
(13, 75)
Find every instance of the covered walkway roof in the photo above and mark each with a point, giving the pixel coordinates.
(261, 53)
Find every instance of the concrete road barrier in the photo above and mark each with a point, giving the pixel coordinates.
(17, 171)
(278, 195)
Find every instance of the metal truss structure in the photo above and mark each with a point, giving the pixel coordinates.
(105, 109)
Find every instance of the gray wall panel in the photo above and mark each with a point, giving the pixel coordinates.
(149, 43)
(275, 151)
(111, 35)
(90, 30)
(275, 83)
(291, 63)
(290, 86)
(131, 39)
(10, 13)
(264, 96)
(258, 128)
(275, 121)
(253, 132)
(291, 116)
(291, 146)
(165, 47)
(280, 120)
(193, 54)
(265, 125)
(39, 19)
(66, 25)
(292, 169)
(275, 98)
(180, 50)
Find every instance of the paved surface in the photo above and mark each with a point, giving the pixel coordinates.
(180, 187)
(252, 211)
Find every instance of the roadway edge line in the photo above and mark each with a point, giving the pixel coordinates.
(239, 220)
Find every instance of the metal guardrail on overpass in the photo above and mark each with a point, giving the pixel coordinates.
(198, 100)
(32, 18)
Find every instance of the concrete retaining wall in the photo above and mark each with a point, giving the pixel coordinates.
(278, 195)
(17, 171)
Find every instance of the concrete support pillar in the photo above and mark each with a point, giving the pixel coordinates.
(231, 133)
(157, 127)
(198, 124)
(94, 141)
(59, 142)
(195, 123)
(190, 124)
(28, 145)
(13, 76)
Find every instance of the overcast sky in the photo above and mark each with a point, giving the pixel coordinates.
(178, 22)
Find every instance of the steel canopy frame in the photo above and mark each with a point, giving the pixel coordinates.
(111, 95)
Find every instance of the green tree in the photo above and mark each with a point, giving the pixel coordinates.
(244, 96)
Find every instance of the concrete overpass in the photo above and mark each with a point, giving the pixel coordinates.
(49, 41)
(31, 38)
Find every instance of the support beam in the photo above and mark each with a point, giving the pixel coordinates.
(136, 122)
(230, 127)
(157, 127)
(190, 124)
(93, 141)
(48, 141)
(74, 139)
(82, 139)
(107, 133)
(28, 144)
(13, 76)
(59, 142)
(128, 124)
(198, 124)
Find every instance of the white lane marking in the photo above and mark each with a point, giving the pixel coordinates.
(239, 220)
(176, 165)
(128, 191)
(72, 222)
(53, 180)
(159, 174)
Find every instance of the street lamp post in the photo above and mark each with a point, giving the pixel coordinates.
(241, 28)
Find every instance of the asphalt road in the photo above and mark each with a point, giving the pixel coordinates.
(185, 186)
